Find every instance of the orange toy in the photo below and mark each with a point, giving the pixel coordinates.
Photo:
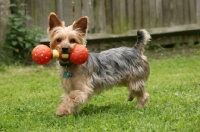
(79, 54)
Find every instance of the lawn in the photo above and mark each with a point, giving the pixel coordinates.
(30, 95)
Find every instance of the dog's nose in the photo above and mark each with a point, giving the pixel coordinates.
(64, 50)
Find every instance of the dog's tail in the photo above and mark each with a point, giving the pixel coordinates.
(143, 37)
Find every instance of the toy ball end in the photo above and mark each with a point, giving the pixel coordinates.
(41, 54)
(79, 54)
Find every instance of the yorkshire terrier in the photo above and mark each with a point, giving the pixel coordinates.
(115, 67)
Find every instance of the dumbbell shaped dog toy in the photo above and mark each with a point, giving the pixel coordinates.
(42, 54)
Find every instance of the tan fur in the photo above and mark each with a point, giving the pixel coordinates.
(81, 87)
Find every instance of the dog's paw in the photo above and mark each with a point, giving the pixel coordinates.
(142, 101)
(130, 97)
(63, 112)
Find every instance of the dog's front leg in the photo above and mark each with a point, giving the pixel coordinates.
(71, 101)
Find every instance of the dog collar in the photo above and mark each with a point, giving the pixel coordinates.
(67, 74)
(64, 64)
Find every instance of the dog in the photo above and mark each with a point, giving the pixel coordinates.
(122, 66)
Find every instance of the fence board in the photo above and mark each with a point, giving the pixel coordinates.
(49, 6)
(166, 13)
(77, 9)
(59, 7)
(116, 16)
(192, 11)
(109, 16)
(173, 12)
(186, 11)
(159, 16)
(102, 18)
(29, 11)
(68, 12)
(122, 15)
(96, 8)
(180, 17)
(152, 13)
(39, 12)
(130, 14)
(198, 11)
(138, 13)
(92, 15)
(85, 8)
(145, 14)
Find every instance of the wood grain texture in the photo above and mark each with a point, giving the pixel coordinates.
(138, 14)
(130, 14)
(198, 11)
(159, 12)
(116, 16)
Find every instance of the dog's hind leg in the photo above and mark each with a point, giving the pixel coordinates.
(131, 95)
(142, 98)
(136, 88)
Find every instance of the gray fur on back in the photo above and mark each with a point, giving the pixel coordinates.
(113, 66)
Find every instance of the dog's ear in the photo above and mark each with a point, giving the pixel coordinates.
(81, 25)
(54, 21)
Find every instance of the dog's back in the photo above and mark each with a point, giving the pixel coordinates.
(118, 65)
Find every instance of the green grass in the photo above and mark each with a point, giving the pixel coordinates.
(29, 97)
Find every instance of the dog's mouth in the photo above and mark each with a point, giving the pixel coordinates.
(65, 54)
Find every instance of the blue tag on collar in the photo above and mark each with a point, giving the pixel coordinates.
(67, 74)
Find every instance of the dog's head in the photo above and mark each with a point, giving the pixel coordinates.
(64, 38)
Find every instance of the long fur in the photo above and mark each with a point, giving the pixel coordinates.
(115, 67)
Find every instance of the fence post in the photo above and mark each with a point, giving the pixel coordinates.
(198, 11)
(4, 11)
(59, 9)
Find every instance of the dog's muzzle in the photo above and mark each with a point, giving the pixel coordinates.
(65, 53)
(64, 50)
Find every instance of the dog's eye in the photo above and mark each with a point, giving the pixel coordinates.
(59, 40)
(72, 41)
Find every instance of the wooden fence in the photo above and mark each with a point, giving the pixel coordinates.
(119, 18)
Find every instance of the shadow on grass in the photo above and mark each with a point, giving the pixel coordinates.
(91, 109)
